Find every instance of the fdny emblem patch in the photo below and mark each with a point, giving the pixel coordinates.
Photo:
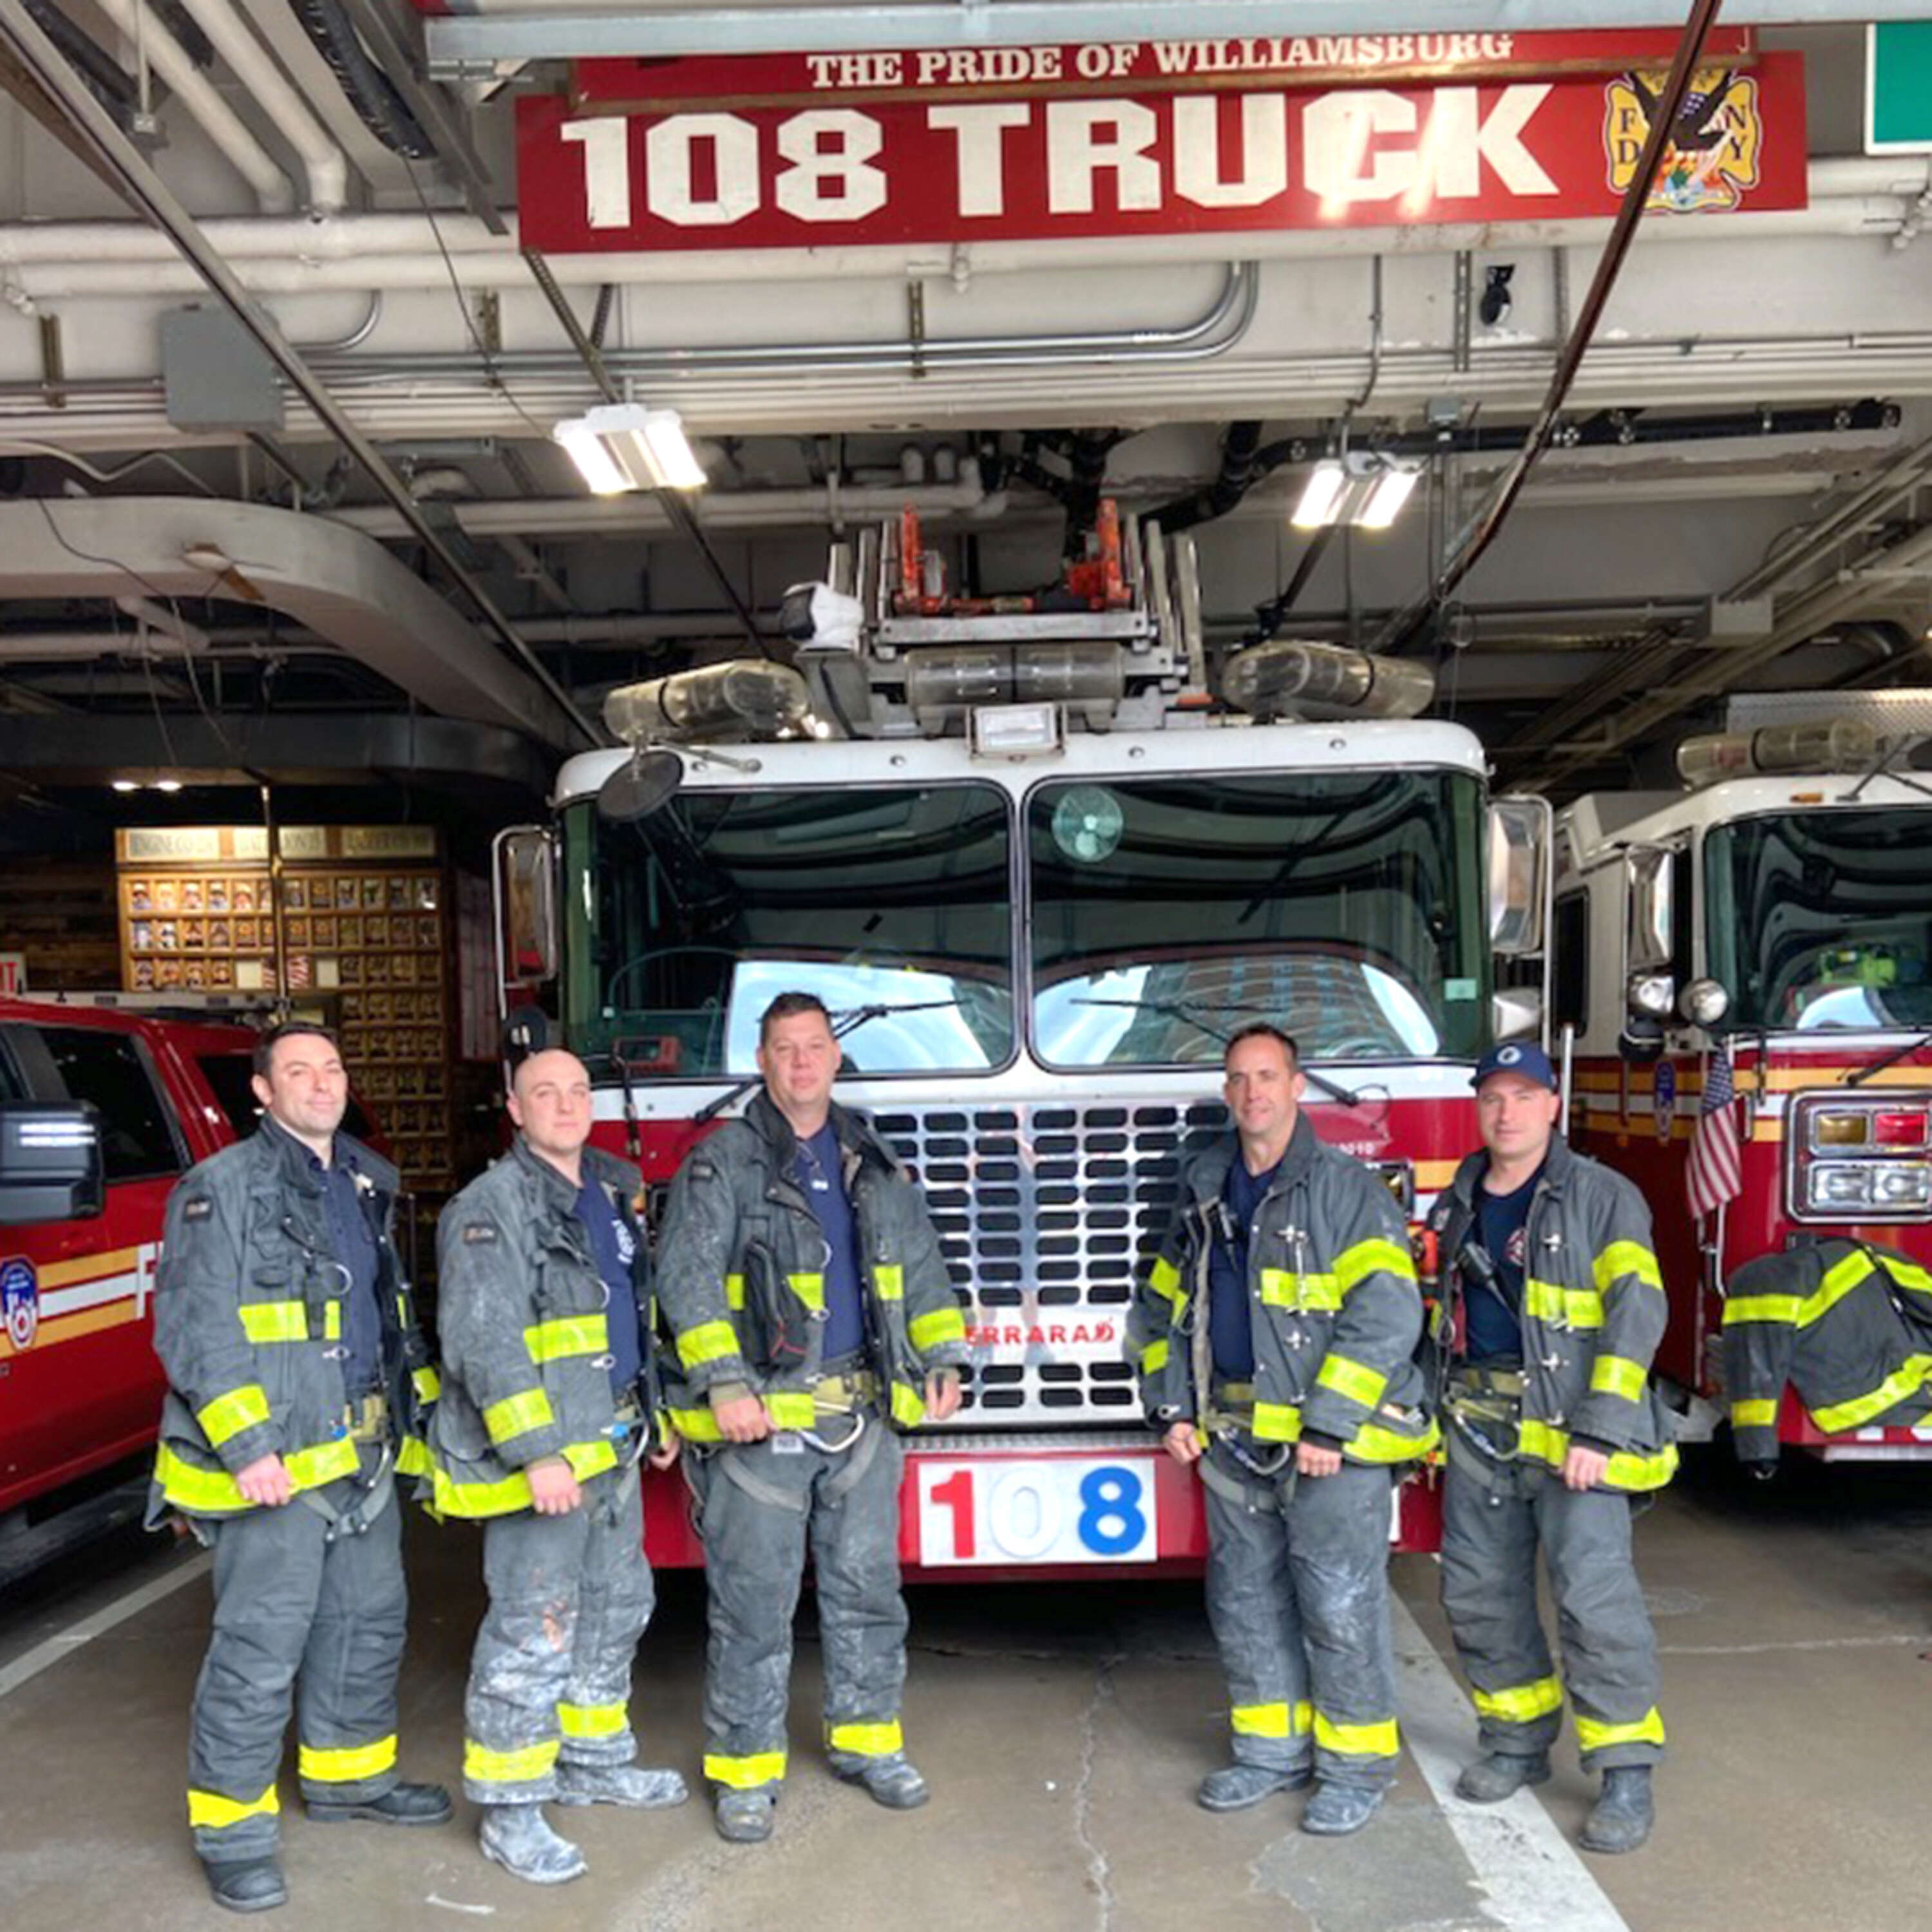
(19, 1302)
(1710, 160)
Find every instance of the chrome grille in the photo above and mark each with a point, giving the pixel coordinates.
(1045, 1213)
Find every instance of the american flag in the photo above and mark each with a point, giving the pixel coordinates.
(1715, 1174)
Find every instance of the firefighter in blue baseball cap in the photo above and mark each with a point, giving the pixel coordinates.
(1554, 1306)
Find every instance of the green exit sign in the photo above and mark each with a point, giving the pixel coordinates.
(1898, 88)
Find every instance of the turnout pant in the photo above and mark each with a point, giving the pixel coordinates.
(1298, 1596)
(1496, 1512)
(550, 1677)
(304, 1621)
(760, 1502)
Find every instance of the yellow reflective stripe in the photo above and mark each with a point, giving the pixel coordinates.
(1153, 1357)
(428, 1384)
(1354, 1265)
(1627, 1257)
(694, 1425)
(209, 1811)
(228, 1414)
(1838, 1282)
(593, 1720)
(518, 1414)
(275, 1321)
(1563, 1307)
(791, 1408)
(1593, 1736)
(734, 1291)
(482, 1766)
(513, 1492)
(1902, 1381)
(1617, 1375)
(810, 1289)
(1522, 1703)
(567, 1335)
(745, 1774)
(347, 1764)
(1380, 1740)
(888, 1279)
(1627, 1470)
(936, 1327)
(1277, 1422)
(866, 1740)
(908, 1406)
(1316, 1293)
(412, 1457)
(1272, 1721)
(1759, 1414)
(1371, 1443)
(213, 1492)
(1355, 1380)
(1164, 1280)
(1761, 1308)
(708, 1342)
(1907, 1274)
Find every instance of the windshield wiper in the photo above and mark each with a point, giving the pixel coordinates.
(842, 1024)
(1890, 1059)
(1182, 1009)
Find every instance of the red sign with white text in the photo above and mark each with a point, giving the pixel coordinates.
(961, 169)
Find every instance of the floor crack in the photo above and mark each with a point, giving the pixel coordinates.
(1099, 1872)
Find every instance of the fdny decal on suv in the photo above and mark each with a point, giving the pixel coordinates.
(19, 1302)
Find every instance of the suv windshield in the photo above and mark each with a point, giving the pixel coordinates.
(1347, 907)
(684, 926)
(1822, 920)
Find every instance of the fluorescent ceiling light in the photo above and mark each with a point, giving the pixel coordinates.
(626, 446)
(1363, 488)
(1387, 495)
(1321, 495)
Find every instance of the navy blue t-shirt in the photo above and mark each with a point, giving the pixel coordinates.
(1230, 1317)
(351, 1241)
(613, 1247)
(820, 1171)
(1494, 1332)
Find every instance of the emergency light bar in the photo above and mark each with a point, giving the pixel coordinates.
(1833, 745)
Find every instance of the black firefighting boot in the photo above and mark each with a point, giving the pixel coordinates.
(247, 1884)
(520, 1839)
(1234, 1787)
(1621, 1817)
(1496, 1775)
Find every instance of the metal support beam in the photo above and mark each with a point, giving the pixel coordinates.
(20, 31)
(466, 43)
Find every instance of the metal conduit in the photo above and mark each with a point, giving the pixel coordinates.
(1234, 308)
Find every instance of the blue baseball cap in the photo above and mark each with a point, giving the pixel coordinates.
(1517, 1056)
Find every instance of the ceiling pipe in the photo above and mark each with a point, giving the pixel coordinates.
(125, 163)
(273, 191)
(324, 163)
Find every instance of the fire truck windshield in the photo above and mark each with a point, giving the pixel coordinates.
(682, 927)
(1346, 908)
(1820, 920)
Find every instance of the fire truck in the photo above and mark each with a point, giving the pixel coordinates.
(1770, 926)
(1039, 859)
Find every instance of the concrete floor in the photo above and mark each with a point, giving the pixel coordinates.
(1063, 1729)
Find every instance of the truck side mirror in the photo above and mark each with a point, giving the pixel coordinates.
(527, 941)
(1520, 833)
(50, 1163)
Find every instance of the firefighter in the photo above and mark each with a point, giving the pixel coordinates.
(1275, 1333)
(803, 1285)
(295, 1372)
(546, 1410)
(1555, 1307)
